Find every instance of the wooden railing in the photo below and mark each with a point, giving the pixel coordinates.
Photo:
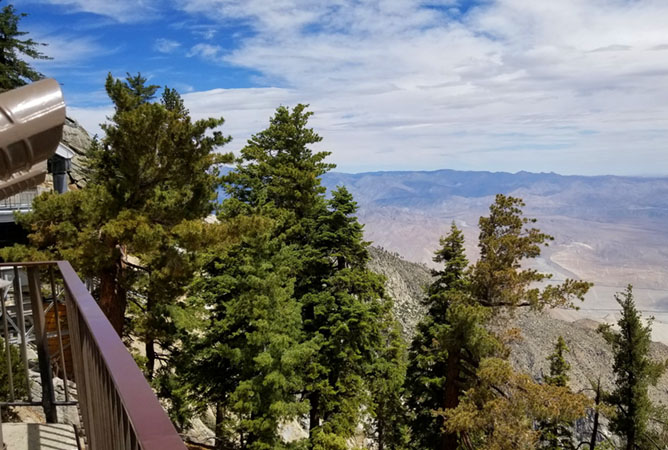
(117, 406)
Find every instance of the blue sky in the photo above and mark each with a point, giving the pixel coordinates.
(575, 87)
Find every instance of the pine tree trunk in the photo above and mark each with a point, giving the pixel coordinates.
(449, 441)
(150, 342)
(220, 444)
(597, 401)
(630, 442)
(113, 298)
(631, 436)
(150, 357)
(381, 434)
(314, 417)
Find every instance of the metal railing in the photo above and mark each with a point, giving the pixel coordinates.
(74, 340)
(22, 200)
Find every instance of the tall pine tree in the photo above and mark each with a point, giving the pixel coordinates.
(634, 371)
(344, 309)
(467, 369)
(436, 351)
(150, 181)
(241, 335)
(557, 435)
(14, 70)
(347, 319)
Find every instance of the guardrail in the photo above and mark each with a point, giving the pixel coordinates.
(117, 406)
(22, 200)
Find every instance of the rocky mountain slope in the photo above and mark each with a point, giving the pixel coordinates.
(590, 356)
(608, 230)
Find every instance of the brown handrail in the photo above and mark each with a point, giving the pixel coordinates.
(135, 403)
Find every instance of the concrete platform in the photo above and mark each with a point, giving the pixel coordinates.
(39, 436)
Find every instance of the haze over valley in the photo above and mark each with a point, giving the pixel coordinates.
(609, 230)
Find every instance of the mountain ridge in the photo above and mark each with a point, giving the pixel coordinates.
(608, 229)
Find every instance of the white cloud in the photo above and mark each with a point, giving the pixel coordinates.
(91, 118)
(210, 52)
(68, 51)
(570, 86)
(119, 10)
(165, 45)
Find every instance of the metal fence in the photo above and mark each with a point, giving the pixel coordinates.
(22, 200)
(46, 306)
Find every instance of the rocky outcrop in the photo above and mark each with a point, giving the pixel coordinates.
(405, 282)
(77, 138)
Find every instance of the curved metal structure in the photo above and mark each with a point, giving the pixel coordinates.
(31, 125)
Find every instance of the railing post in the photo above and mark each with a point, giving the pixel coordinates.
(48, 394)
(20, 316)
(2, 441)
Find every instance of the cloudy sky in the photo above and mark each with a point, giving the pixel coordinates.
(570, 86)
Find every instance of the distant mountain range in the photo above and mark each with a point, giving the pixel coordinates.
(610, 230)
(604, 197)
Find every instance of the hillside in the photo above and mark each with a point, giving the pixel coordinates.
(590, 356)
(609, 230)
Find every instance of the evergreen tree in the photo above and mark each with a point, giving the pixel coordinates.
(389, 427)
(559, 367)
(241, 333)
(435, 353)
(467, 368)
(498, 279)
(350, 318)
(277, 166)
(14, 71)
(500, 410)
(345, 313)
(150, 181)
(634, 371)
(555, 435)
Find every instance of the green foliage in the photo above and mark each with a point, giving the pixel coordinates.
(277, 167)
(18, 373)
(498, 279)
(500, 410)
(389, 427)
(559, 367)
(454, 352)
(451, 318)
(243, 353)
(347, 319)
(556, 435)
(14, 71)
(134, 226)
(634, 372)
(312, 259)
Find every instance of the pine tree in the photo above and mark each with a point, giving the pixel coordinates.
(559, 367)
(241, 333)
(498, 279)
(468, 369)
(351, 317)
(437, 347)
(345, 313)
(14, 71)
(150, 181)
(277, 166)
(634, 371)
(555, 435)
(389, 427)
